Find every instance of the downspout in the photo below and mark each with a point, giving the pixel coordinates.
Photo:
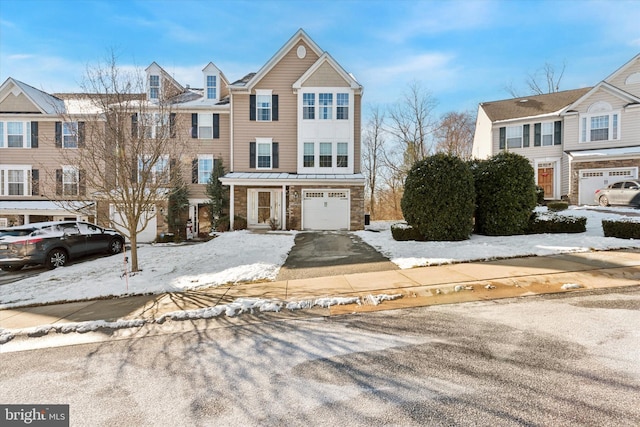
(231, 205)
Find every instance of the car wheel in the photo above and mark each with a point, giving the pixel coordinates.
(603, 201)
(115, 246)
(56, 258)
(11, 267)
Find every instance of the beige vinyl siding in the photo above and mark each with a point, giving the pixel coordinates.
(17, 104)
(629, 124)
(357, 134)
(325, 76)
(619, 80)
(284, 131)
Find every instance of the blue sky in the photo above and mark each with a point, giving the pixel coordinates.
(462, 52)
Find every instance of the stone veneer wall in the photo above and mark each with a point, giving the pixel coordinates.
(576, 167)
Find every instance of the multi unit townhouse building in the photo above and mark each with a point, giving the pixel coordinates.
(577, 140)
(288, 136)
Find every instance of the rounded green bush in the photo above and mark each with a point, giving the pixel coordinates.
(505, 194)
(439, 198)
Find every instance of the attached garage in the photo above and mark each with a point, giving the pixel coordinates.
(146, 235)
(593, 179)
(324, 209)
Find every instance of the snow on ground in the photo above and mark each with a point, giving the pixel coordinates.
(415, 254)
(239, 256)
(244, 256)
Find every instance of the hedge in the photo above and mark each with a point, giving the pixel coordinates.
(403, 232)
(552, 223)
(621, 229)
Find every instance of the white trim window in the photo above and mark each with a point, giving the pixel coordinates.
(309, 156)
(308, 106)
(263, 105)
(325, 104)
(212, 87)
(263, 153)
(342, 108)
(205, 125)
(154, 86)
(205, 168)
(547, 133)
(342, 155)
(326, 157)
(158, 172)
(70, 135)
(514, 136)
(600, 123)
(70, 181)
(15, 134)
(15, 180)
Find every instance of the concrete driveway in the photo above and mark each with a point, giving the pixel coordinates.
(331, 253)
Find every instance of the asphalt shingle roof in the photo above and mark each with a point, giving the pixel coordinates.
(531, 105)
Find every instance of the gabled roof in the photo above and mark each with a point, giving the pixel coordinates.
(165, 75)
(530, 106)
(47, 104)
(631, 99)
(298, 36)
(328, 59)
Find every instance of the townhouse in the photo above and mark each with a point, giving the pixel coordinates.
(577, 140)
(288, 136)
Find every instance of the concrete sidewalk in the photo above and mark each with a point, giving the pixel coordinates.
(423, 286)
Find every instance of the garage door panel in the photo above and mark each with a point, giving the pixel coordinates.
(325, 210)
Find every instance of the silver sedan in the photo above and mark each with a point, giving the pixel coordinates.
(619, 193)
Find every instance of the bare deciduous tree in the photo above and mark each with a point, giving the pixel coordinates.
(454, 134)
(129, 144)
(412, 125)
(373, 141)
(544, 80)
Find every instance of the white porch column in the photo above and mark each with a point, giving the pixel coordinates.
(231, 205)
(283, 207)
(26, 219)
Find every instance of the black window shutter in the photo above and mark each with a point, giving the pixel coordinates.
(215, 166)
(537, 134)
(35, 182)
(82, 183)
(194, 171)
(58, 182)
(216, 125)
(134, 125)
(274, 108)
(59, 134)
(34, 134)
(172, 125)
(81, 134)
(134, 171)
(503, 137)
(194, 125)
(252, 107)
(275, 158)
(557, 132)
(252, 155)
(525, 135)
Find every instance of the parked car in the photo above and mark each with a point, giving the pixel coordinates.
(619, 193)
(53, 244)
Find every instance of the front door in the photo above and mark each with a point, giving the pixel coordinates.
(264, 207)
(545, 180)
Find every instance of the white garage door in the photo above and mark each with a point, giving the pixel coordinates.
(593, 179)
(147, 235)
(325, 210)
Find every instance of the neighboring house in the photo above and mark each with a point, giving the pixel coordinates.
(288, 136)
(577, 140)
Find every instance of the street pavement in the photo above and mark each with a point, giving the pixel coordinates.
(425, 286)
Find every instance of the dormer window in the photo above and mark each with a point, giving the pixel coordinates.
(212, 87)
(154, 86)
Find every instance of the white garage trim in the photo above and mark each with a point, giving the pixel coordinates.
(326, 209)
(593, 179)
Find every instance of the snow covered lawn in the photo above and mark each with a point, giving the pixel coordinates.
(416, 254)
(243, 256)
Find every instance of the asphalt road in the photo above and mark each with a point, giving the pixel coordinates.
(569, 359)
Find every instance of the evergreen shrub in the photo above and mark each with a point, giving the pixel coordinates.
(557, 206)
(403, 232)
(621, 229)
(552, 223)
